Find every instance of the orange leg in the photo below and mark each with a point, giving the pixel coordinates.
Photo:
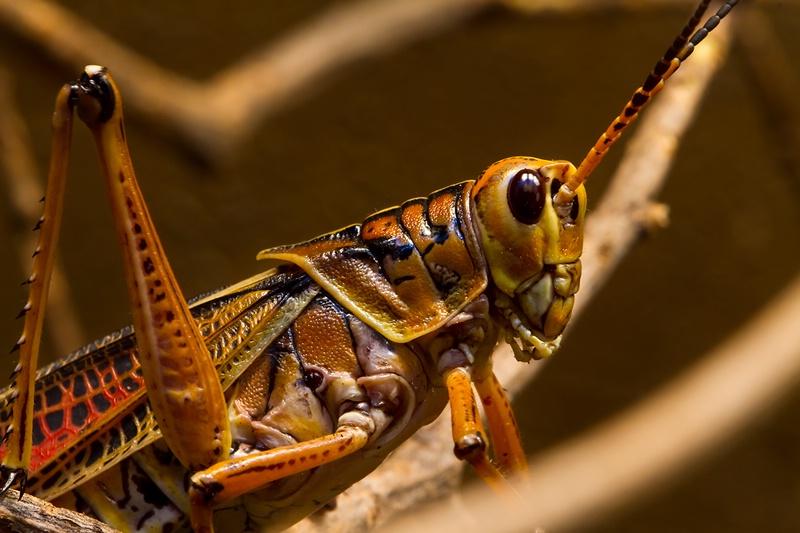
(232, 478)
(506, 442)
(181, 379)
(16, 461)
(468, 431)
(182, 382)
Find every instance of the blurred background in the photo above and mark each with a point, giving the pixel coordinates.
(496, 81)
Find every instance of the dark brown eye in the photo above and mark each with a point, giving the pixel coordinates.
(575, 209)
(313, 378)
(526, 196)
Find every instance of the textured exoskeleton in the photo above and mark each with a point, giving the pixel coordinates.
(359, 333)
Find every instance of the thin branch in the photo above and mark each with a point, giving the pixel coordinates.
(214, 117)
(623, 460)
(424, 469)
(618, 463)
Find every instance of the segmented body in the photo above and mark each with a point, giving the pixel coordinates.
(291, 358)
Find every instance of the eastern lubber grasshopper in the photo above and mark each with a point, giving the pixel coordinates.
(332, 360)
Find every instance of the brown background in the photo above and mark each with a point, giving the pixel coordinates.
(435, 113)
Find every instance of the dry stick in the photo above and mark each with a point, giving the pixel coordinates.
(215, 116)
(425, 469)
(257, 86)
(32, 515)
(24, 186)
(617, 463)
(691, 417)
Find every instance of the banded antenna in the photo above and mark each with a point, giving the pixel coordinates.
(680, 49)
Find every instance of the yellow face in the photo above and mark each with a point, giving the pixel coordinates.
(532, 251)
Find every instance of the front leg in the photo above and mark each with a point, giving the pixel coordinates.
(468, 431)
(463, 350)
(506, 443)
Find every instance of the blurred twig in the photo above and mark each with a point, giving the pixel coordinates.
(213, 117)
(624, 459)
(424, 469)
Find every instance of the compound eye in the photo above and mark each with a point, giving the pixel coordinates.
(575, 209)
(526, 196)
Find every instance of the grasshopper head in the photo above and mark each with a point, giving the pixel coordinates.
(530, 215)
(532, 247)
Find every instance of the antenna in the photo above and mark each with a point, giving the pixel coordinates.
(680, 49)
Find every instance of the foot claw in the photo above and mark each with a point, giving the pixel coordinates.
(12, 476)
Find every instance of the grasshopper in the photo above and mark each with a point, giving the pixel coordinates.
(273, 395)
